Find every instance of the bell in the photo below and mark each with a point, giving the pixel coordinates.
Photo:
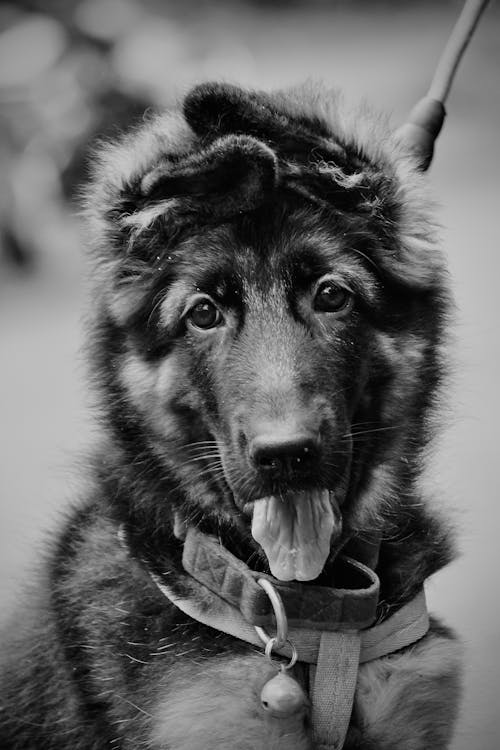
(282, 696)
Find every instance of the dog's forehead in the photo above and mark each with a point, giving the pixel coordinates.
(260, 249)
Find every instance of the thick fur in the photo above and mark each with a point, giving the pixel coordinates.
(247, 200)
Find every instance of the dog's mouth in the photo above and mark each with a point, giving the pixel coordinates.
(297, 531)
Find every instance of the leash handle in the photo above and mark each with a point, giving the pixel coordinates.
(426, 118)
(455, 47)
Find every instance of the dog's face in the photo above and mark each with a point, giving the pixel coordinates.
(274, 354)
(267, 321)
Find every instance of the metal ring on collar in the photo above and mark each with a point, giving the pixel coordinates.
(269, 653)
(281, 636)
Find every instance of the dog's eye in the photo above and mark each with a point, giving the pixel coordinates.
(331, 298)
(204, 315)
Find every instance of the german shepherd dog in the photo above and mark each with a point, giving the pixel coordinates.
(267, 332)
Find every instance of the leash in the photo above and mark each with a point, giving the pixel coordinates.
(426, 119)
(333, 630)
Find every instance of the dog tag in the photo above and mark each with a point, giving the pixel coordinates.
(282, 696)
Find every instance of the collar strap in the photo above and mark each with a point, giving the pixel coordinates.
(401, 629)
(333, 656)
(333, 652)
(351, 604)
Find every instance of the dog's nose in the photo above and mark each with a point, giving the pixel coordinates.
(280, 457)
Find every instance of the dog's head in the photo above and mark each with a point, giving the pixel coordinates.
(270, 314)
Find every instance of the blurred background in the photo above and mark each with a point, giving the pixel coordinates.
(70, 71)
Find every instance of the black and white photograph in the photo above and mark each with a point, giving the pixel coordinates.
(249, 375)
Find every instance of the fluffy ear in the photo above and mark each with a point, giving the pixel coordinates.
(233, 174)
(201, 185)
(214, 109)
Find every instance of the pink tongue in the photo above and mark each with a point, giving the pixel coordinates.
(296, 532)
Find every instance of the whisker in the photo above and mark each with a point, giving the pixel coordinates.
(369, 432)
(212, 441)
(244, 483)
(369, 260)
(216, 472)
(204, 457)
(156, 304)
(200, 446)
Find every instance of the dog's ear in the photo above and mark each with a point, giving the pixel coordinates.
(233, 174)
(215, 109)
(137, 217)
(203, 184)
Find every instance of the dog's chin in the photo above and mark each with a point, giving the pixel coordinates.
(297, 531)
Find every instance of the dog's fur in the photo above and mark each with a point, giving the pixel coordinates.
(245, 199)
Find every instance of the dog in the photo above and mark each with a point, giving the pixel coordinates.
(267, 337)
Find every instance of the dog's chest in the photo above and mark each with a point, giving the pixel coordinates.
(216, 703)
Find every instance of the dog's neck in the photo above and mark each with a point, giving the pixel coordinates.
(349, 599)
(413, 543)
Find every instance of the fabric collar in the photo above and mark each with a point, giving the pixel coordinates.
(350, 605)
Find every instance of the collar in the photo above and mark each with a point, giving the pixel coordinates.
(351, 604)
(331, 629)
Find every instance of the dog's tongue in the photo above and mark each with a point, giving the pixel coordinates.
(296, 532)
